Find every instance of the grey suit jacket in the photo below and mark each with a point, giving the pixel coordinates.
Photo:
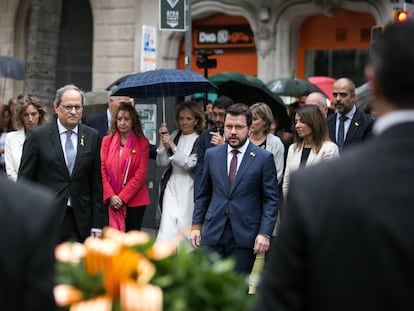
(43, 162)
(350, 248)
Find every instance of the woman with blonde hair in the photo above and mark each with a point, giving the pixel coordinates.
(30, 112)
(177, 151)
(311, 143)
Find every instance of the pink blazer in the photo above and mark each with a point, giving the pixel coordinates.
(135, 192)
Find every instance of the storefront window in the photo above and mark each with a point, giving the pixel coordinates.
(337, 64)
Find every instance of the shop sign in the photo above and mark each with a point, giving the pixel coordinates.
(239, 36)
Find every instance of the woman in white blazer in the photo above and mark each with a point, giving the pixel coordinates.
(311, 143)
(260, 136)
(30, 112)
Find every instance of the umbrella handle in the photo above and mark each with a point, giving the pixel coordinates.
(163, 109)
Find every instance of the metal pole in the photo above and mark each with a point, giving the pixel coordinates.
(188, 29)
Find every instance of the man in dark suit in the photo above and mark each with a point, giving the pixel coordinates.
(101, 121)
(64, 157)
(352, 247)
(28, 233)
(213, 136)
(348, 126)
(234, 214)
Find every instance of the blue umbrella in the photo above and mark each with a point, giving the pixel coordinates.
(11, 68)
(163, 83)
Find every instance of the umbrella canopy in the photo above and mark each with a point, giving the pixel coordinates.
(250, 90)
(117, 82)
(163, 82)
(291, 87)
(324, 83)
(11, 68)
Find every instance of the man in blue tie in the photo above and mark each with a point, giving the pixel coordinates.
(348, 126)
(235, 209)
(64, 156)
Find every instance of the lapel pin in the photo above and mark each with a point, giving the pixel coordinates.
(356, 124)
(252, 154)
(82, 142)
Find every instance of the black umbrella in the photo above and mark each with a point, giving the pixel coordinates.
(249, 90)
(292, 87)
(117, 82)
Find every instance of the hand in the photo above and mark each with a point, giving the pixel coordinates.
(216, 139)
(115, 201)
(195, 238)
(261, 244)
(163, 129)
(95, 234)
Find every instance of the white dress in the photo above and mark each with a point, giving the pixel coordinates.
(178, 200)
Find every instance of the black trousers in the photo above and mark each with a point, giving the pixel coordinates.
(134, 217)
(69, 230)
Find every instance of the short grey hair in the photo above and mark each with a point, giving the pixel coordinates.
(68, 87)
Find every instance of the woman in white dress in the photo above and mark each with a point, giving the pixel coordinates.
(177, 151)
(30, 112)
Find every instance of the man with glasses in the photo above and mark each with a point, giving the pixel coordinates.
(348, 126)
(235, 209)
(64, 156)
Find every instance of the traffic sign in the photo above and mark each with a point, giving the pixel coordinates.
(172, 15)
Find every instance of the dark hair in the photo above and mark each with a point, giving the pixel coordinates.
(25, 102)
(312, 116)
(263, 111)
(195, 109)
(240, 110)
(9, 126)
(68, 87)
(394, 64)
(223, 102)
(135, 117)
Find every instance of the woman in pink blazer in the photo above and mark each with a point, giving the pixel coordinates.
(124, 165)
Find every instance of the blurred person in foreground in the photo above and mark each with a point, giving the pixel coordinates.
(28, 236)
(235, 210)
(124, 167)
(63, 156)
(177, 151)
(351, 248)
(30, 112)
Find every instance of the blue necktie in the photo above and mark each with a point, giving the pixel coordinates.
(70, 152)
(341, 131)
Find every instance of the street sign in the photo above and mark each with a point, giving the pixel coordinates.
(172, 15)
(148, 59)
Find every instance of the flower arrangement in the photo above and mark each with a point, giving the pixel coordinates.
(129, 272)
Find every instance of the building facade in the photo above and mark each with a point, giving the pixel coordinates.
(101, 39)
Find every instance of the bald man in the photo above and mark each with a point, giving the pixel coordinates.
(318, 99)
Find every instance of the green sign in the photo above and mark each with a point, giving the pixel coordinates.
(172, 15)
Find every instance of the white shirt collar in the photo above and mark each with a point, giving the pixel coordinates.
(63, 129)
(392, 118)
(241, 149)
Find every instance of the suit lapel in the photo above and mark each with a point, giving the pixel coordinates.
(332, 128)
(222, 166)
(56, 143)
(80, 146)
(353, 127)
